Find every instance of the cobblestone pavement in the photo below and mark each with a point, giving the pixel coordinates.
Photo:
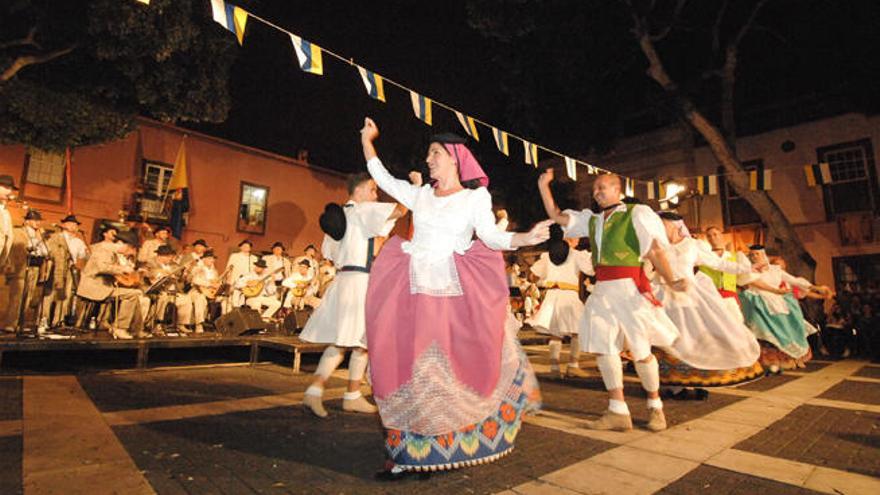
(239, 429)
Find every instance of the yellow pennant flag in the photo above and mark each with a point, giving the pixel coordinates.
(179, 175)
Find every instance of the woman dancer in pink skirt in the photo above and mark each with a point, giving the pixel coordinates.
(451, 384)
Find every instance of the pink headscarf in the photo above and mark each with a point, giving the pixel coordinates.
(468, 167)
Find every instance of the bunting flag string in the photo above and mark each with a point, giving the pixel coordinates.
(571, 168)
(531, 153)
(818, 174)
(656, 190)
(761, 179)
(231, 17)
(501, 141)
(421, 107)
(629, 187)
(707, 184)
(308, 54)
(374, 83)
(469, 125)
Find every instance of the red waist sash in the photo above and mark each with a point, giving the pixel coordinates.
(635, 273)
(729, 293)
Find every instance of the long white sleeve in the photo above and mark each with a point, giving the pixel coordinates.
(484, 221)
(578, 223)
(401, 190)
(584, 260)
(793, 281)
(739, 267)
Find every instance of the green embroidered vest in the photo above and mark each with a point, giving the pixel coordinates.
(620, 244)
(722, 280)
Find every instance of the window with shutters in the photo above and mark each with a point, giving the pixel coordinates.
(853, 185)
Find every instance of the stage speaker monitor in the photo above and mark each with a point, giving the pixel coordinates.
(240, 321)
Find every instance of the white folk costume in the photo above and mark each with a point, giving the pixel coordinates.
(302, 290)
(147, 253)
(273, 263)
(714, 349)
(621, 307)
(267, 298)
(776, 320)
(450, 381)
(6, 235)
(725, 283)
(204, 280)
(622, 313)
(239, 265)
(339, 320)
(561, 308)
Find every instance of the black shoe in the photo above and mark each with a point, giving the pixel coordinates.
(683, 394)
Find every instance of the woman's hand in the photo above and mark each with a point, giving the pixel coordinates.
(370, 131)
(415, 178)
(546, 178)
(539, 233)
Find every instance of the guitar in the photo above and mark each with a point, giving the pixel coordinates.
(211, 291)
(255, 287)
(130, 280)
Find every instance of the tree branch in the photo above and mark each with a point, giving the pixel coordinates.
(676, 14)
(27, 40)
(25, 60)
(716, 28)
(772, 32)
(748, 24)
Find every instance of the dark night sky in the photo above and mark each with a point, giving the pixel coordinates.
(566, 83)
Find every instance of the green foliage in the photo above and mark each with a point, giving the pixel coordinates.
(168, 61)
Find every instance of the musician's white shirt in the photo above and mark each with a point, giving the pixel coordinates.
(76, 247)
(36, 245)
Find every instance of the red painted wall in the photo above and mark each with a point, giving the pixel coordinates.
(104, 177)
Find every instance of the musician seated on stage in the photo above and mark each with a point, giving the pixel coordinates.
(198, 251)
(99, 283)
(205, 283)
(302, 289)
(278, 259)
(259, 290)
(147, 252)
(239, 264)
(163, 270)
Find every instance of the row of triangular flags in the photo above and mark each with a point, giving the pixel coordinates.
(309, 56)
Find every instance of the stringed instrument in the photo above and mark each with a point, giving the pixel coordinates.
(255, 287)
(211, 291)
(130, 280)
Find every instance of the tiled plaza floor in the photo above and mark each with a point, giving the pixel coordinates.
(238, 429)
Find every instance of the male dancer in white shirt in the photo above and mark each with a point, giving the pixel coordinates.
(621, 311)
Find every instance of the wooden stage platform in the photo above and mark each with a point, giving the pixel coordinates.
(140, 348)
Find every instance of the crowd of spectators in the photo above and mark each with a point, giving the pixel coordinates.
(851, 326)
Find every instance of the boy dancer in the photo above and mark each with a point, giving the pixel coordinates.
(340, 319)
